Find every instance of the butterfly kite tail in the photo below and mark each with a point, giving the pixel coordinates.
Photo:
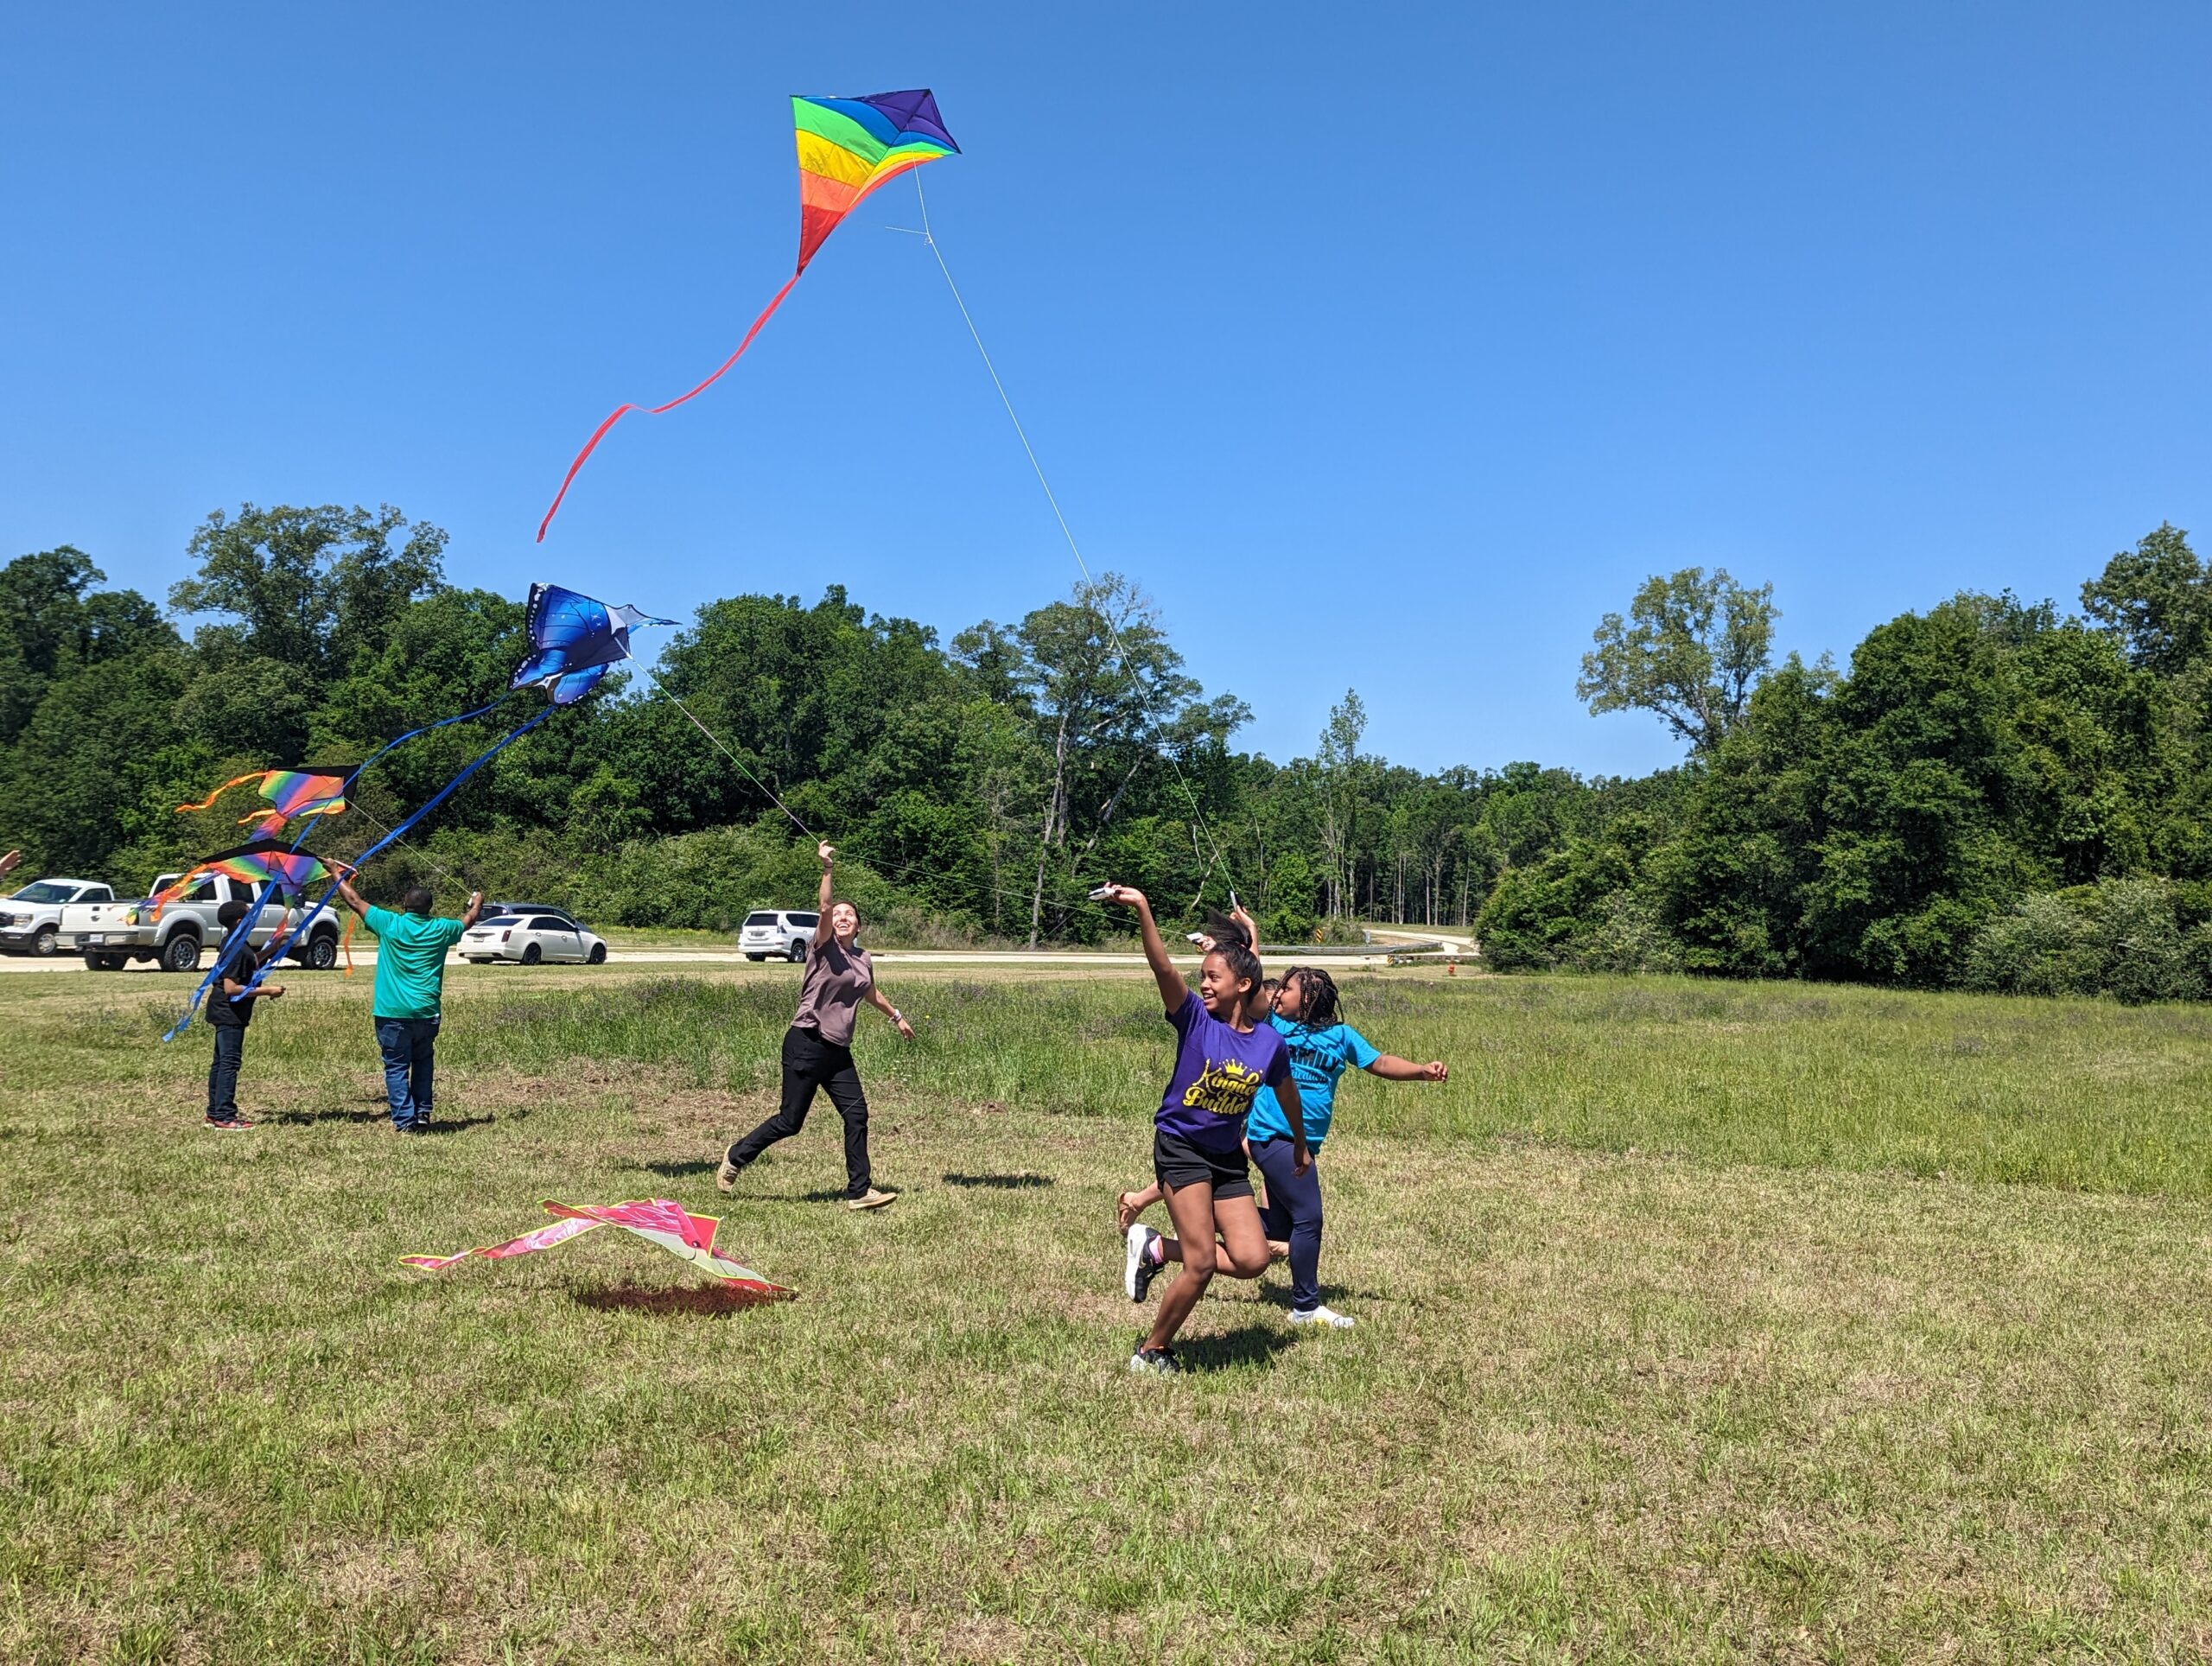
(308, 917)
(620, 412)
(226, 955)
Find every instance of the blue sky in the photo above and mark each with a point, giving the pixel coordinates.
(1387, 348)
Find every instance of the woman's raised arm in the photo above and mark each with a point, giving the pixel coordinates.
(822, 895)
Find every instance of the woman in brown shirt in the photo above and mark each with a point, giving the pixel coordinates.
(818, 1047)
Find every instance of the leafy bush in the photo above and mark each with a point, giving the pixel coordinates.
(2145, 955)
(1630, 938)
(2044, 946)
(2121, 938)
(711, 879)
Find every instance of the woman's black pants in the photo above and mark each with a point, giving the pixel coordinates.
(810, 1063)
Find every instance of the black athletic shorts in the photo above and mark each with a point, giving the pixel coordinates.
(1176, 1162)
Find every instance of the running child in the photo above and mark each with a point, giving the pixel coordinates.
(1321, 1049)
(1222, 1059)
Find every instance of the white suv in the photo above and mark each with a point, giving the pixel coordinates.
(776, 931)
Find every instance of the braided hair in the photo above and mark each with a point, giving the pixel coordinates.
(1317, 1010)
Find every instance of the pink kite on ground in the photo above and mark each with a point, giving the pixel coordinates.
(688, 1236)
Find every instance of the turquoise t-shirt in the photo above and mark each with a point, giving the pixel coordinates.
(1318, 1057)
(410, 962)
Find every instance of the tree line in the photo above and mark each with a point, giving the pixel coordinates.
(1990, 793)
(982, 784)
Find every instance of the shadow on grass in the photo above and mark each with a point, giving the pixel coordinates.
(673, 1300)
(1001, 1182)
(1247, 1344)
(367, 1118)
(1278, 1295)
(681, 1171)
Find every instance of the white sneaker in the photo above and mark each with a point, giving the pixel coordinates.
(1139, 1270)
(1334, 1320)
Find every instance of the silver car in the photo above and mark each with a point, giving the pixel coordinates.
(776, 932)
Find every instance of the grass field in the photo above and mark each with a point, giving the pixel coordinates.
(1696, 1322)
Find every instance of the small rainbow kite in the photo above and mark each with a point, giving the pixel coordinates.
(310, 790)
(846, 147)
(263, 863)
(668, 1225)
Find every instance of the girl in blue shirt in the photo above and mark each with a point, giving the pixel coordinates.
(1321, 1049)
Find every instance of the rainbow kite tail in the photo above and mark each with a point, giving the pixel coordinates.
(208, 802)
(622, 411)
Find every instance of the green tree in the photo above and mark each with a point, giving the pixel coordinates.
(52, 621)
(2157, 599)
(1104, 684)
(306, 588)
(1338, 768)
(1692, 649)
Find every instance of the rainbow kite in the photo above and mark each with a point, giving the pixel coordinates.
(846, 147)
(263, 863)
(280, 869)
(668, 1225)
(308, 791)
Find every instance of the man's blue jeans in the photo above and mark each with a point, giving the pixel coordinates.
(408, 1045)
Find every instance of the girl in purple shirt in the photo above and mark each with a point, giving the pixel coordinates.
(1222, 1057)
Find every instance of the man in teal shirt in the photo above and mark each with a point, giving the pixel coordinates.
(411, 977)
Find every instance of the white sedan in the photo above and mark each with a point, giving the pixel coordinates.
(530, 939)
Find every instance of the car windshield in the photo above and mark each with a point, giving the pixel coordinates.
(759, 919)
(44, 891)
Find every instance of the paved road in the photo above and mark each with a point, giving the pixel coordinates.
(1066, 959)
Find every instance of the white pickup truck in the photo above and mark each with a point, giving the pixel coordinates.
(30, 920)
(108, 934)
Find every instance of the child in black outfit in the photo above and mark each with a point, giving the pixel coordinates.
(229, 1009)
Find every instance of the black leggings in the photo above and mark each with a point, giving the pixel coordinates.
(810, 1063)
(1293, 1212)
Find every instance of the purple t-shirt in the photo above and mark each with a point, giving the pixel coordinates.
(1218, 1068)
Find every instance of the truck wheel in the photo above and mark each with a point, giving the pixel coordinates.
(44, 943)
(797, 953)
(181, 953)
(96, 962)
(532, 954)
(321, 954)
(756, 957)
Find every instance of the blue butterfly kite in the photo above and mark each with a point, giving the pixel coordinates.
(574, 639)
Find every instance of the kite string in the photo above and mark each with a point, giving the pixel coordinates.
(646, 671)
(1052, 499)
(881, 864)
